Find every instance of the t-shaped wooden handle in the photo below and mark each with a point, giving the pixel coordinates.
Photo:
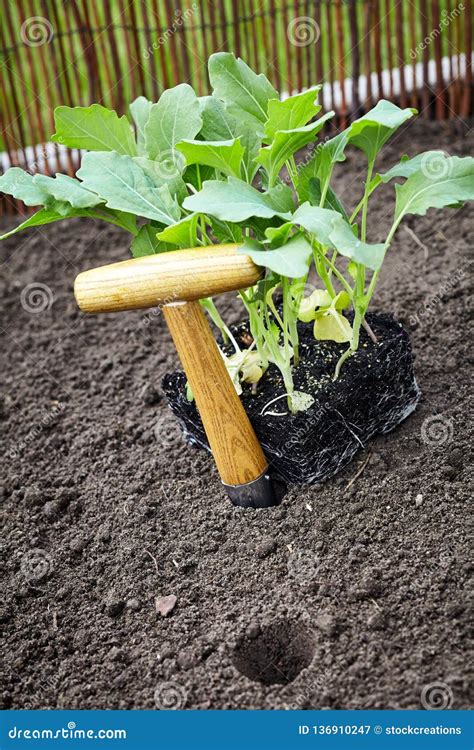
(176, 280)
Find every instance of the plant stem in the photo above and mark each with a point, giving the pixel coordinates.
(365, 205)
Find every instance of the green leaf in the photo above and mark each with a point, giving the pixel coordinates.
(121, 182)
(293, 112)
(279, 235)
(331, 201)
(21, 185)
(286, 143)
(145, 242)
(183, 233)
(346, 243)
(225, 156)
(449, 184)
(219, 125)
(174, 117)
(94, 128)
(140, 110)
(64, 188)
(317, 221)
(332, 326)
(226, 231)
(370, 132)
(290, 260)
(236, 201)
(245, 94)
(331, 230)
(428, 160)
(167, 172)
(41, 217)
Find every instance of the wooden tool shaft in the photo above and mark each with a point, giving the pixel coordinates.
(237, 451)
(164, 278)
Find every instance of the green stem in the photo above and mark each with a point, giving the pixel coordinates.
(365, 206)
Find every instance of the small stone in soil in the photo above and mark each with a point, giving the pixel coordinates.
(133, 605)
(165, 604)
(265, 547)
(114, 607)
(418, 500)
(326, 623)
(149, 395)
(253, 630)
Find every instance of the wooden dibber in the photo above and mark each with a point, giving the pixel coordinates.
(175, 281)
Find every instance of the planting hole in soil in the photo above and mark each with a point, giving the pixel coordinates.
(276, 655)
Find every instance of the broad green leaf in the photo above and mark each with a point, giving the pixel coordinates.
(428, 160)
(146, 243)
(174, 117)
(331, 230)
(370, 132)
(226, 231)
(140, 110)
(245, 94)
(286, 143)
(331, 200)
(59, 210)
(332, 326)
(279, 235)
(183, 233)
(225, 156)
(40, 218)
(20, 184)
(65, 188)
(317, 221)
(236, 201)
(293, 112)
(219, 125)
(167, 172)
(346, 243)
(449, 184)
(94, 128)
(290, 260)
(124, 186)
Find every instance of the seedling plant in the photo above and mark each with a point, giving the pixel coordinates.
(191, 171)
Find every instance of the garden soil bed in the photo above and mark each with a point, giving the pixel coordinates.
(351, 594)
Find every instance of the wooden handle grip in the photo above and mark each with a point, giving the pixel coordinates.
(237, 452)
(160, 279)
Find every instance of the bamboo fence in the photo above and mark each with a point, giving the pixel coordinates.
(414, 52)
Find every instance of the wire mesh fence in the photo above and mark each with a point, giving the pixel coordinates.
(415, 52)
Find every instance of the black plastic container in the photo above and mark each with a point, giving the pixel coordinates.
(376, 390)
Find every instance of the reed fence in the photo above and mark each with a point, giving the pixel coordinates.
(415, 52)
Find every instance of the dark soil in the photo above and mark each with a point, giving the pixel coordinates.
(351, 594)
(374, 392)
